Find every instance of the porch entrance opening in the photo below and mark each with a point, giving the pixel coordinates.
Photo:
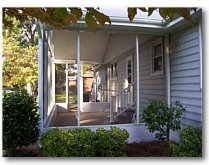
(107, 95)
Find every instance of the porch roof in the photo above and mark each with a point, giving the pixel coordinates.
(105, 44)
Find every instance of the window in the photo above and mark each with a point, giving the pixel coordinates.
(157, 58)
(129, 70)
(113, 71)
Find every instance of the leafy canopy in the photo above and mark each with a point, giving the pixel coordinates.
(63, 17)
(20, 54)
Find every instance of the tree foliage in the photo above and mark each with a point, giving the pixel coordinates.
(64, 17)
(20, 55)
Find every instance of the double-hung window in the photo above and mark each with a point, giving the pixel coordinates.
(157, 57)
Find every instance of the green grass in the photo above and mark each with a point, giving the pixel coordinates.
(60, 98)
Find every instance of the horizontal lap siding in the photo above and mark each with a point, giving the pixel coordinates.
(185, 74)
(151, 86)
(120, 83)
(102, 75)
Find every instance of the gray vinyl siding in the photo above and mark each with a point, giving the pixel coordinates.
(185, 74)
(120, 83)
(102, 75)
(48, 84)
(151, 86)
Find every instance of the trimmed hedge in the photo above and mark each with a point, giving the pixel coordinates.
(20, 120)
(82, 142)
(190, 144)
(111, 143)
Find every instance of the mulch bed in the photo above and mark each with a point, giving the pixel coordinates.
(142, 149)
(148, 149)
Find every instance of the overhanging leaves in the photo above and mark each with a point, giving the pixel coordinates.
(77, 12)
(131, 13)
(91, 21)
(150, 10)
(100, 17)
(60, 17)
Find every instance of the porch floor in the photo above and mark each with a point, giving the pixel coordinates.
(86, 118)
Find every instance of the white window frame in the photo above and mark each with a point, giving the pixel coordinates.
(129, 58)
(113, 76)
(155, 43)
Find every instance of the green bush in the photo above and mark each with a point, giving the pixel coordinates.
(20, 120)
(190, 144)
(77, 142)
(82, 142)
(160, 118)
(111, 143)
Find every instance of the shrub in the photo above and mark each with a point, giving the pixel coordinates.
(111, 143)
(20, 120)
(68, 143)
(190, 144)
(82, 142)
(160, 118)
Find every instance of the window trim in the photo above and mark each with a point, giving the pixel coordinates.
(155, 43)
(115, 64)
(130, 58)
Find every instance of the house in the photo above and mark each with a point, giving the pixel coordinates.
(146, 59)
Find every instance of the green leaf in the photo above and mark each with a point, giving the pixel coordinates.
(184, 12)
(150, 10)
(100, 17)
(131, 13)
(142, 9)
(91, 21)
(62, 13)
(77, 12)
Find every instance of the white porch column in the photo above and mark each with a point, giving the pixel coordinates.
(81, 92)
(78, 78)
(67, 86)
(40, 82)
(137, 80)
(167, 60)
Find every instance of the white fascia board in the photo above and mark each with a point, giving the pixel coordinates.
(180, 20)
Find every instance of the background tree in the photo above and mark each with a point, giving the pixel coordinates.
(20, 55)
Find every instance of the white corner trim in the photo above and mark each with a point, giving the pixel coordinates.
(40, 82)
(200, 46)
(137, 81)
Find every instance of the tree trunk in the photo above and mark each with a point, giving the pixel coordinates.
(168, 134)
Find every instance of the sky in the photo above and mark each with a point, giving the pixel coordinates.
(122, 12)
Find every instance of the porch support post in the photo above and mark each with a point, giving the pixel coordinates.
(67, 87)
(137, 80)
(40, 80)
(78, 78)
(167, 60)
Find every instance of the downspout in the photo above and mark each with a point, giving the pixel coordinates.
(137, 80)
(200, 46)
(67, 86)
(167, 61)
(78, 78)
(40, 76)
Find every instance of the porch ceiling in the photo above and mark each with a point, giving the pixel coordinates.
(96, 47)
